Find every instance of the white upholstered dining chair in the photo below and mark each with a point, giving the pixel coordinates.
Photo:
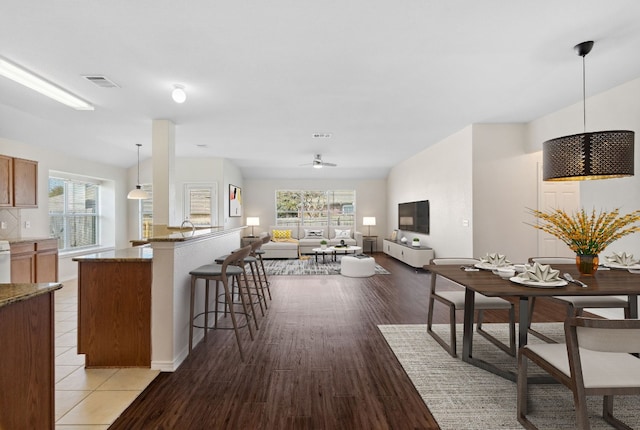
(595, 361)
(454, 299)
(575, 304)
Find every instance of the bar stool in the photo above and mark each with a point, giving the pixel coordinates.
(257, 284)
(261, 274)
(258, 254)
(221, 273)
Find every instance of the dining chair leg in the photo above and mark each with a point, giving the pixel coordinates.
(532, 302)
(452, 325)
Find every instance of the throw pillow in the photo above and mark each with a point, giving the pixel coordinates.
(312, 234)
(281, 234)
(343, 234)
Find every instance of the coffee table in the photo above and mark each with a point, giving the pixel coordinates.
(344, 249)
(323, 251)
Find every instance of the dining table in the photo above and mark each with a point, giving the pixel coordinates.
(608, 282)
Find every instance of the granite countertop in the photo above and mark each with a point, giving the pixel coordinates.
(12, 293)
(140, 254)
(26, 239)
(186, 235)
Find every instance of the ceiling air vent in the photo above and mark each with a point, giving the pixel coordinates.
(102, 81)
(321, 135)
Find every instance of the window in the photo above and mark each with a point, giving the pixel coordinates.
(146, 212)
(200, 204)
(306, 207)
(73, 212)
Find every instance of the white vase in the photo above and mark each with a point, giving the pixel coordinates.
(416, 243)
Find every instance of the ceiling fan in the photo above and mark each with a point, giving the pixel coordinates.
(318, 163)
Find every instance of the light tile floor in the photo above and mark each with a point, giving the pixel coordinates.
(87, 399)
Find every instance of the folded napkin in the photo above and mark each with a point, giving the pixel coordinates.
(539, 273)
(622, 258)
(495, 259)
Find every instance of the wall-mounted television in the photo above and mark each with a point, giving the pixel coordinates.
(414, 216)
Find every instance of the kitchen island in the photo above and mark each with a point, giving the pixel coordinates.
(133, 304)
(27, 344)
(114, 308)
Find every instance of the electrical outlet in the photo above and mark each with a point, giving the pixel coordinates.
(3, 225)
(27, 224)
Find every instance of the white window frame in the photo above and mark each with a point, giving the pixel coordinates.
(64, 242)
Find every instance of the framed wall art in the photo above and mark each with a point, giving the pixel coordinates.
(235, 201)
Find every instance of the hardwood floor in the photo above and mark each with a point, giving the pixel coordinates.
(318, 362)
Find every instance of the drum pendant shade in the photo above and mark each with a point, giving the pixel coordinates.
(586, 156)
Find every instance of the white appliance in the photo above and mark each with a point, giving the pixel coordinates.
(5, 262)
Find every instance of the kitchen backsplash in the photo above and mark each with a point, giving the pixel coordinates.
(9, 218)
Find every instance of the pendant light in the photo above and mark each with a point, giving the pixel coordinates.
(138, 193)
(585, 156)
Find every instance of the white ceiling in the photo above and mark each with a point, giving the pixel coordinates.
(385, 78)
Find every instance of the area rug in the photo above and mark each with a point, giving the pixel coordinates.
(309, 266)
(461, 396)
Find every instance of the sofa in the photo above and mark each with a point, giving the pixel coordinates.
(294, 241)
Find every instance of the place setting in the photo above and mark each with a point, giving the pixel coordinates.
(542, 276)
(624, 261)
(530, 275)
(494, 261)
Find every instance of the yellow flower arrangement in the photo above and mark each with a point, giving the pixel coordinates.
(587, 234)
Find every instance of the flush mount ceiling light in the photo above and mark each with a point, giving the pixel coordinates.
(178, 94)
(138, 193)
(32, 81)
(586, 156)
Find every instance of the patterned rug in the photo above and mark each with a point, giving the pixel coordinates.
(309, 266)
(461, 396)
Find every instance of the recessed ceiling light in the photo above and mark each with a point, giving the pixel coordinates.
(36, 83)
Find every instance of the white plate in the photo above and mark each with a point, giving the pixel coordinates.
(488, 266)
(622, 266)
(536, 284)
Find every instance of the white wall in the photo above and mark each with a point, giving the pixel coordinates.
(113, 206)
(259, 197)
(198, 170)
(615, 109)
(212, 170)
(504, 186)
(441, 174)
(233, 176)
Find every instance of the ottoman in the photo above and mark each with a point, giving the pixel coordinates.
(356, 267)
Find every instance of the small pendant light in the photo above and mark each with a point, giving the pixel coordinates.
(585, 156)
(138, 193)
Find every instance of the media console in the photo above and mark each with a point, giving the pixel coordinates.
(414, 256)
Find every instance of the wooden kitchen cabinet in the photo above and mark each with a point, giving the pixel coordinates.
(114, 309)
(6, 181)
(23, 262)
(25, 183)
(47, 260)
(18, 182)
(34, 261)
(27, 374)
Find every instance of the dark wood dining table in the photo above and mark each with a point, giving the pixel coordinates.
(614, 282)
